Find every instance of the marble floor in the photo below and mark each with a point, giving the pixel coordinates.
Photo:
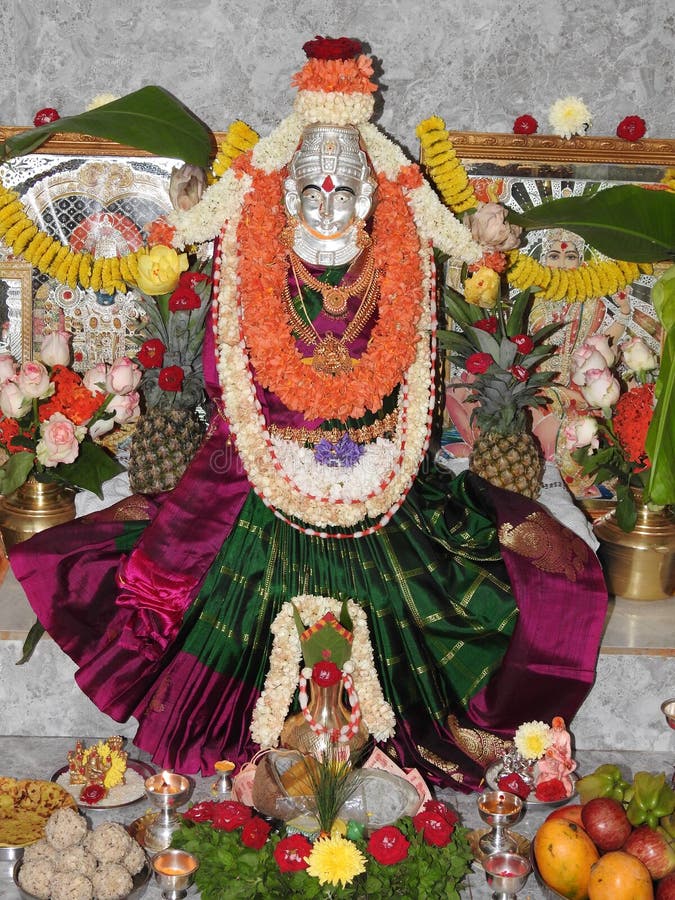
(40, 757)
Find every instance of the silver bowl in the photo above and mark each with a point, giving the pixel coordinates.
(140, 882)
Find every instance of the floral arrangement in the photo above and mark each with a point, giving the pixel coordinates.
(286, 658)
(540, 760)
(610, 442)
(174, 296)
(52, 416)
(242, 855)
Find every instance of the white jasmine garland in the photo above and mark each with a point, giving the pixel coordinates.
(274, 702)
(219, 203)
(437, 223)
(333, 107)
(272, 153)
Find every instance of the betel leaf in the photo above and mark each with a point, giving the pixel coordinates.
(660, 442)
(92, 467)
(149, 119)
(624, 222)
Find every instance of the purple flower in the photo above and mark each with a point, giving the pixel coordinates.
(345, 453)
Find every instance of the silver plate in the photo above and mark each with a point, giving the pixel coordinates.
(140, 768)
(492, 776)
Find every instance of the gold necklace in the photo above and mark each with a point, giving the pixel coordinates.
(335, 297)
(331, 356)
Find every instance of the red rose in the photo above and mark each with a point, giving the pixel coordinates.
(151, 354)
(45, 116)
(201, 812)
(325, 673)
(332, 48)
(525, 125)
(171, 378)
(435, 830)
(489, 324)
(229, 815)
(92, 793)
(192, 279)
(632, 128)
(441, 809)
(478, 363)
(523, 342)
(254, 833)
(291, 853)
(520, 373)
(184, 299)
(551, 790)
(514, 784)
(388, 845)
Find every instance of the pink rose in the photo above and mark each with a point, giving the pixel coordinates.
(583, 359)
(600, 342)
(55, 349)
(582, 432)
(186, 186)
(601, 388)
(123, 377)
(7, 368)
(126, 407)
(13, 403)
(94, 379)
(490, 229)
(60, 442)
(33, 380)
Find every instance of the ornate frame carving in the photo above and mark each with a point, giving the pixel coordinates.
(17, 338)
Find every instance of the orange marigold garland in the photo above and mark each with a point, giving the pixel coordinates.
(263, 271)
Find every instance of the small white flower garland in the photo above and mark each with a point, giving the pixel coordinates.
(274, 702)
(344, 734)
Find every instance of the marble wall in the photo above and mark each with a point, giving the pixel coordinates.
(476, 64)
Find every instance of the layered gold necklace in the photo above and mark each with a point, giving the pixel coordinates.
(331, 356)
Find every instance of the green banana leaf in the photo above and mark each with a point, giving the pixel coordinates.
(624, 222)
(149, 119)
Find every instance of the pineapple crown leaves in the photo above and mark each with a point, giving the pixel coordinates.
(181, 333)
(506, 382)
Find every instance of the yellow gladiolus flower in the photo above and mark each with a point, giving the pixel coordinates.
(160, 269)
(482, 289)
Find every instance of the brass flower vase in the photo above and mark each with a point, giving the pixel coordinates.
(329, 713)
(34, 507)
(639, 564)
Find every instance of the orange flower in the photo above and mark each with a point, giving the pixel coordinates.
(160, 232)
(347, 76)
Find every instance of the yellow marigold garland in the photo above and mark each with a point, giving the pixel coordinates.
(440, 159)
(239, 138)
(593, 279)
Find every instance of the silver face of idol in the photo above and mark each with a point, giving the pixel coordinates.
(329, 191)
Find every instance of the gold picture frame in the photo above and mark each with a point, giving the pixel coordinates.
(16, 309)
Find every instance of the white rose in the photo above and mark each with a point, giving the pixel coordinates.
(601, 388)
(637, 356)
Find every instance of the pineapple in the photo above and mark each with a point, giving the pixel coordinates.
(503, 360)
(173, 422)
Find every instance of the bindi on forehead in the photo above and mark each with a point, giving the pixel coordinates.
(327, 184)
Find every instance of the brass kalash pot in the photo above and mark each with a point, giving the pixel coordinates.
(34, 506)
(639, 564)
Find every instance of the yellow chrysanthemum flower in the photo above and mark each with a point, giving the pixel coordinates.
(532, 739)
(335, 860)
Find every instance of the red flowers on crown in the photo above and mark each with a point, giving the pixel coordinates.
(332, 48)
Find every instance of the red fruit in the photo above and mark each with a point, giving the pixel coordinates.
(652, 849)
(665, 889)
(572, 813)
(45, 116)
(606, 823)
